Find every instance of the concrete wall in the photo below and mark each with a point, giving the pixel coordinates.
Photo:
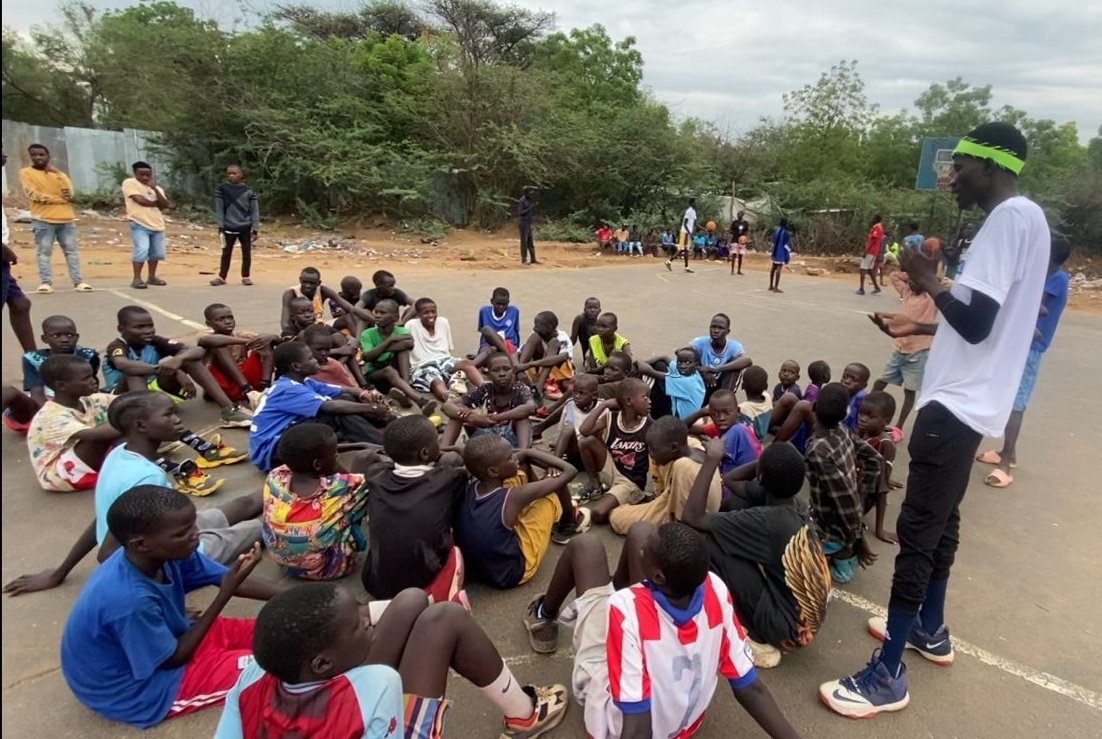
(94, 159)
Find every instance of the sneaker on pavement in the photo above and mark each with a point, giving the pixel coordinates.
(235, 418)
(591, 492)
(935, 647)
(550, 703)
(876, 291)
(669, 266)
(869, 692)
(861, 291)
(562, 534)
(219, 454)
(190, 480)
(689, 270)
(765, 656)
(543, 633)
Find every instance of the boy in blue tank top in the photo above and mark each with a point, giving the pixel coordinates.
(504, 532)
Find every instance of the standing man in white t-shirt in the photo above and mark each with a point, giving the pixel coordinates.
(972, 374)
(685, 235)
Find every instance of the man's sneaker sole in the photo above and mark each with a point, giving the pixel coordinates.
(207, 464)
(877, 627)
(199, 492)
(842, 707)
(551, 705)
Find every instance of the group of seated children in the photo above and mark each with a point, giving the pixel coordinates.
(692, 487)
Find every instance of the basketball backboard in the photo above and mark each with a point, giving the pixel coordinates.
(935, 164)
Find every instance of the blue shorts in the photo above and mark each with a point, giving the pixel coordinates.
(149, 245)
(905, 369)
(1029, 379)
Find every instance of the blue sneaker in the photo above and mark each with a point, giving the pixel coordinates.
(935, 647)
(868, 692)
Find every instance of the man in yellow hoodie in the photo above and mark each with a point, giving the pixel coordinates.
(52, 217)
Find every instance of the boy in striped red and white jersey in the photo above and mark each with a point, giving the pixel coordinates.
(648, 656)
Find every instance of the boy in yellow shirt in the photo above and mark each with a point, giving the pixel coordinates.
(50, 194)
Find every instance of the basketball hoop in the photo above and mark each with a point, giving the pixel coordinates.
(943, 167)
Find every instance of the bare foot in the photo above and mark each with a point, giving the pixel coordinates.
(887, 537)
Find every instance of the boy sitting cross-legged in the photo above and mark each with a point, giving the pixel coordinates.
(140, 359)
(432, 360)
(650, 640)
(129, 651)
(328, 667)
(239, 360)
(613, 447)
(504, 532)
(313, 507)
(501, 407)
(413, 498)
(386, 347)
(546, 357)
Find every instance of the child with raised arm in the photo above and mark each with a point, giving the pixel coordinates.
(327, 667)
(873, 423)
(432, 360)
(237, 215)
(682, 386)
(907, 364)
(414, 493)
(676, 464)
(347, 323)
(129, 650)
(296, 397)
(613, 448)
(313, 507)
(504, 532)
(141, 359)
(839, 467)
(766, 552)
(585, 325)
(501, 406)
(310, 288)
(546, 357)
(60, 335)
(630, 638)
(604, 342)
(240, 361)
(789, 377)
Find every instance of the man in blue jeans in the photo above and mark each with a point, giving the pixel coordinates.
(144, 201)
(972, 375)
(50, 195)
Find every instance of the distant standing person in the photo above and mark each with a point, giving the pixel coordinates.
(237, 214)
(52, 217)
(144, 201)
(873, 244)
(526, 209)
(685, 235)
(782, 252)
(740, 237)
(914, 238)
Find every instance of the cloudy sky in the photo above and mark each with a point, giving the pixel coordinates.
(730, 61)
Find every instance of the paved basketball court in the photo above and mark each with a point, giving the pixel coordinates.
(1025, 592)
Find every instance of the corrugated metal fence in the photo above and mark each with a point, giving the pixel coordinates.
(95, 160)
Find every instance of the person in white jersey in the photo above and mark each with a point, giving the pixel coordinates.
(972, 374)
(685, 235)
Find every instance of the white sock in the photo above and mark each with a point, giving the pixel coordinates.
(506, 693)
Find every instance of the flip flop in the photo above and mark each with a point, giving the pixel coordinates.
(993, 457)
(998, 479)
(156, 281)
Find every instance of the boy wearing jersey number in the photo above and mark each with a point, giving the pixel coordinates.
(647, 656)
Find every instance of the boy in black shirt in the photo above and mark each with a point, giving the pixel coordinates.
(238, 216)
(768, 555)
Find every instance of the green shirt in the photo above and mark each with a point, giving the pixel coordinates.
(371, 338)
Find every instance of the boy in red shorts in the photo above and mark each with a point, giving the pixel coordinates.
(239, 360)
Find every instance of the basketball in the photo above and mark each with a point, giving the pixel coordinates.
(711, 225)
(931, 247)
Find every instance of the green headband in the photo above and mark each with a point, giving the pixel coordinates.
(1005, 158)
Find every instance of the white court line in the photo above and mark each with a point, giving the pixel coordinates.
(1046, 680)
(129, 297)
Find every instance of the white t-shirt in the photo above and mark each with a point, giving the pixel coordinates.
(689, 220)
(426, 346)
(1007, 262)
(575, 416)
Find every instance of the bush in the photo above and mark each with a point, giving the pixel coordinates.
(566, 231)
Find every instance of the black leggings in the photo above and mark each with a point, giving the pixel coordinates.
(942, 449)
(229, 238)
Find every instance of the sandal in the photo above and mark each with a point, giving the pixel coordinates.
(999, 479)
(82, 287)
(138, 285)
(156, 281)
(217, 281)
(993, 457)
